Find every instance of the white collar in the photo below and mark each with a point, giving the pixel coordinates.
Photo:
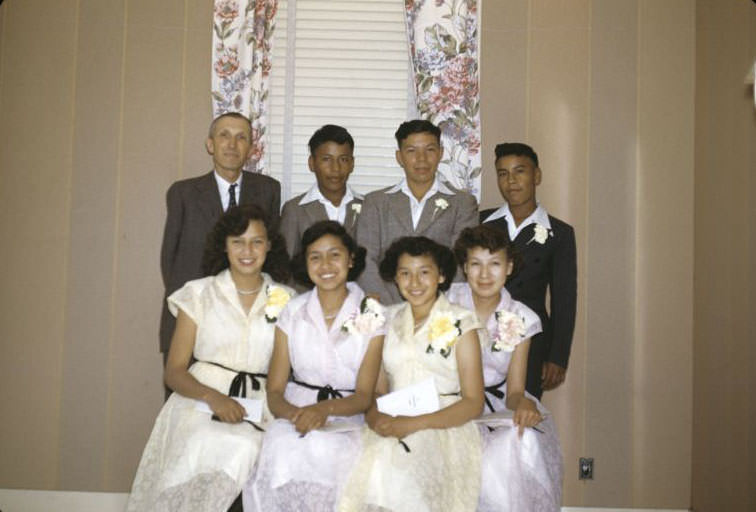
(314, 194)
(539, 216)
(438, 186)
(223, 184)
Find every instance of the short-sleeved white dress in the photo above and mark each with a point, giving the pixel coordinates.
(307, 473)
(441, 470)
(517, 473)
(190, 462)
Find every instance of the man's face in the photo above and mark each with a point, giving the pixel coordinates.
(229, 144)
(419, 155)
(332, 164)
(517, 177)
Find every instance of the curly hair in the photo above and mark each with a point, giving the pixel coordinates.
(486, 237)
(314, 233)
(234, 223)
(441, 255)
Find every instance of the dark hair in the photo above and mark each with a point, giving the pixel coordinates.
(517, 149)
(234, 223)
(235, 115)
(485, 237)
(314, 233)
(330, 133)
(441, 255)
(408, 128)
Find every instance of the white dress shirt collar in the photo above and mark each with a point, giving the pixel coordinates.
(416, 207)
(337, 213)
(539, 216)
(223, 189)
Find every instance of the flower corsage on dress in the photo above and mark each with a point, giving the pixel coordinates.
(277, 298)
(444, 331)
(368, 320)
(510, 331)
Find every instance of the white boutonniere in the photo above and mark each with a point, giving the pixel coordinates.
(540, 234)
(356, 208)
(443, 333)
(510, 330)
(441, 204)
(277, 299)
(369, 319)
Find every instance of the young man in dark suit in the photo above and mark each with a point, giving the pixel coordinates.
(195, 204)
(330, 198)
(547, 247)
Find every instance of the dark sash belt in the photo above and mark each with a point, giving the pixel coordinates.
(324, 392)
(238, 387)
(495, 391)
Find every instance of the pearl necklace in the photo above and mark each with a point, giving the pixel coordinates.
(249, 292)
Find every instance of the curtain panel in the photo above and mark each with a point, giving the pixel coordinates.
(443, 44)
(242, 37)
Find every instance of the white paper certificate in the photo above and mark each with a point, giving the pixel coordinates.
(414, 400)
(252, 406)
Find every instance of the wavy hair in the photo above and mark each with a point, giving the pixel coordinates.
(314, 233)
(441, 255)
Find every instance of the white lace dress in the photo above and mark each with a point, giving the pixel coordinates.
(192, 463)
(307, 473)
(441, 472)
(517, 473)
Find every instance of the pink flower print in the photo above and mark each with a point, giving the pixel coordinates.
(226, 9)
(227, 64)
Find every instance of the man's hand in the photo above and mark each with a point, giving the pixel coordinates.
(552, 376)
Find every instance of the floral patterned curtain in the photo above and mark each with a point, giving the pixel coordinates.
(242, 37)
(443, 38)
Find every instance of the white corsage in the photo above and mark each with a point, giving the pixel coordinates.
(540, 234)
(444, 332)
(441, 204)
(277, 299)
(510, 330)
(357, 208)
(368, 320)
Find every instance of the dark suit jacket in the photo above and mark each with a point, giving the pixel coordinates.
(296, 218)
(387, 216)
(194, 206)
(553, 266)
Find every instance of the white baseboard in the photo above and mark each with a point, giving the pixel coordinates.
(19, 500)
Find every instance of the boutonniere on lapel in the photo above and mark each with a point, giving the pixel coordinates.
(443, 333)
(510, 330)
(369, 319)
(540, 234)
(441, 204)
(277, 298)
(356, 209)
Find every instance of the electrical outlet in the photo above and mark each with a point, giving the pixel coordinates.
(585, 469)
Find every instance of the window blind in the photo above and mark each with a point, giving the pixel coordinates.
(338, 62)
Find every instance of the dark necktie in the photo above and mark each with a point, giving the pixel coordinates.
(232, 195)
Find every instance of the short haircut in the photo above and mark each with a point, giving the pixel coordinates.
(441, 255)
(330, 133)
(234, 223)
(408, 128)
(517, 149)
(235, 115)
(314, 233)
(486, 237)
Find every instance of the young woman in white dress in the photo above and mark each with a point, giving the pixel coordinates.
(428, 462)
(192, 461)
(330, 340)
(522, 463)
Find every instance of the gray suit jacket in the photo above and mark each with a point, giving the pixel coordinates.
(194, 206)
(387, 216)
(296, 218)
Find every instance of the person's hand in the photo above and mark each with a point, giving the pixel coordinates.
(309, 418)
(526, 415)
(226, 408)
(398, 427)
(373, 418)
(552, 376)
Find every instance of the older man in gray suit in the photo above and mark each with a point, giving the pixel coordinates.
(330, 198)
(420, 205)
(195, 204)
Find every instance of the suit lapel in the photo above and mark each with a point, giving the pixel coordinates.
(400, 208)
(431, 212)
(210, 202)
(315, 212)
